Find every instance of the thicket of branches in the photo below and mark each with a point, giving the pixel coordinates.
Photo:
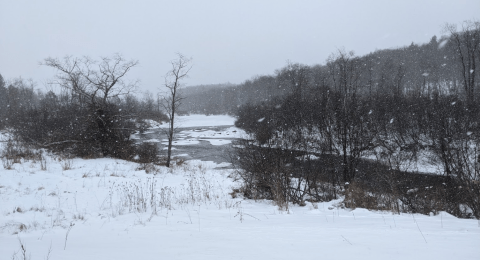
(360, 126)
(92, 115)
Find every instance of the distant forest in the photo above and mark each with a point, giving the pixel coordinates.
(417, 70)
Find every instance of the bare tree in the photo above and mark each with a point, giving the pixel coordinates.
(466, 44)
(171, 99)
(93, 82)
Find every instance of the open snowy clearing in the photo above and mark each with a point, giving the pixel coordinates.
(114, 209)
(105, 208)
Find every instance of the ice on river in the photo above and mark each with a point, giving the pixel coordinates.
(196, 128)
(201, 120)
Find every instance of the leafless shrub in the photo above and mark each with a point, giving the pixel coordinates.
(66, 162)
(268, 172)
(22, 227)
(39, 209)
(18, 150)
(7, 163)
(43, 162)
(15, 151)
(22, 253)
(234, 193)
(78, 216)
(357, 197)
(148, 168)
(179, 161)
(147, 153)
(66, 235)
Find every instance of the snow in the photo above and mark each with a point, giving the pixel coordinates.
(442, 44)
(203, 130)
(105, 206)
(308, 157)
(153, 140)
(201, 120)
(180, 141)
(215, 137)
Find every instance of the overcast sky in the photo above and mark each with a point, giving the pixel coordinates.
(229, 41)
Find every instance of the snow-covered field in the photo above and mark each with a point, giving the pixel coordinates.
(113, 209)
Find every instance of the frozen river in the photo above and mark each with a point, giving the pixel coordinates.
(200, 137)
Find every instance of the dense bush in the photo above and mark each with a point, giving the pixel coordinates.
(62, 123)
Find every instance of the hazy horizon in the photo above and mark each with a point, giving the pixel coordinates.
(228, 41)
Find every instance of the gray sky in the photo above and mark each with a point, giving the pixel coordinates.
(229, 41)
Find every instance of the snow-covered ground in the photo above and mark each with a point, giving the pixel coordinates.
(113, 209)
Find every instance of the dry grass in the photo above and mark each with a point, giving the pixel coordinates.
(66, 162)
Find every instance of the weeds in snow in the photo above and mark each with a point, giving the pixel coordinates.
(66, 236)
(66, 163)
(147, 195)
(22, 253)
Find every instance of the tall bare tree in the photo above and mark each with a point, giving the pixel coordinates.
(91, 81)
(172, 99)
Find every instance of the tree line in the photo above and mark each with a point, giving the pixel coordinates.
(442, 65)
(364, 127)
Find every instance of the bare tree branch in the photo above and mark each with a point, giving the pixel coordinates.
(91, 81)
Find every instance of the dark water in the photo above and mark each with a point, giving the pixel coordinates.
(202, 151)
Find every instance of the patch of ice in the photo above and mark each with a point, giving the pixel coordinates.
(183, 142)
(202, 120)
(154, 140)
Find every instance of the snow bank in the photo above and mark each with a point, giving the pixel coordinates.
(117, 211)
